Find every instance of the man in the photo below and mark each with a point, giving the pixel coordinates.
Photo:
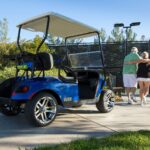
(129, 74)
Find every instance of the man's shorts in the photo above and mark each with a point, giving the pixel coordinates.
(130, 80)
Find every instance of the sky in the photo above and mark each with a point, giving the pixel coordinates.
(96, 13)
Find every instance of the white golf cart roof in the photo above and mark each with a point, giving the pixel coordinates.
(60, 25)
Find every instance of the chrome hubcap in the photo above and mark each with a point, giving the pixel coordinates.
(108, 100)
(45, 109)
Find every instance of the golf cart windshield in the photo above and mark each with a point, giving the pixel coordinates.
(86, 59)
(83, 54)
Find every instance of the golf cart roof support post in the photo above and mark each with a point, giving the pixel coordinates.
(100, 49)
(66, 51)
(18, 39)
(66, 45)
(102, 58)
(46, 33)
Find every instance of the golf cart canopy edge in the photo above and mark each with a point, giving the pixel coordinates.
(60, 26)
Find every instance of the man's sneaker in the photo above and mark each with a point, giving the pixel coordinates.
(133, 98)
(130, 101)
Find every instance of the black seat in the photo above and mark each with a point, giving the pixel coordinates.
(40, 61)
(44, 61)
(35, 62)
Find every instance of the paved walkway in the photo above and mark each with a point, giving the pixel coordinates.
(73, 124)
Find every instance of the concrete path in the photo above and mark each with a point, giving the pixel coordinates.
(71, 124)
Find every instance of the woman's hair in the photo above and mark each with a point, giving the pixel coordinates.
(145, 55)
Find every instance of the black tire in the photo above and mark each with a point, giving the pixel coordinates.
(106, 101)
(42, 109)
(10, 110)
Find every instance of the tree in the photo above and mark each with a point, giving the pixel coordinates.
(142, 38)
(7, 49)
(4, 48)
(32, 45)
(110, 39)
(37, 40)
(117, 34)
(102, 34)
(3, 31)
(131, 35)
(51, 39)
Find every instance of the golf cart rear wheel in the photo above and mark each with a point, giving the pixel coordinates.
(10, 110)
(106, 101)
(42, 109)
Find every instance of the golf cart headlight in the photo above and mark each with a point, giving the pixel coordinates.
(22, 89)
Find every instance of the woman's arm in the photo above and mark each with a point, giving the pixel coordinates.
(138, 61)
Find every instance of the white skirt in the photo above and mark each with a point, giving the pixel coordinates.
(143, 79)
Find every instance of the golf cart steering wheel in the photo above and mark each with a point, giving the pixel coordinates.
(69, 71)
(71, 76)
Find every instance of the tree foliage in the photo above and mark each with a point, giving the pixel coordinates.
(102, 34)
(110, 39)
(142, 38)
(131, 36)
(3, 30)
(117, 34)
(29, 46)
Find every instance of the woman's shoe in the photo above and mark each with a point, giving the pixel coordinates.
(142, 103)
(144, 100)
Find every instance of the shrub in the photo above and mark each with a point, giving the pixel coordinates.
(9, 72)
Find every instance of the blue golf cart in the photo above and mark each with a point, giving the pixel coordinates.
(39, 95)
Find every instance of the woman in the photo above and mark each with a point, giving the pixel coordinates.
(143, 78)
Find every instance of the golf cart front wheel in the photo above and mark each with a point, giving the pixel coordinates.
(42, 109)
(106, 101)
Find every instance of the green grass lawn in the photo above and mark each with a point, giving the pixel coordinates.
(139, 140)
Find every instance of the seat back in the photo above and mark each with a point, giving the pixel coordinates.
(44, 61)
(35, 62)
